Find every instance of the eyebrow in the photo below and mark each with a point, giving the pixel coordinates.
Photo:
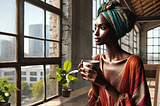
(101, 24)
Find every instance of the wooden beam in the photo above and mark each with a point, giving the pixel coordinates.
(133, 1)
(148, 18)
(149, 13)
(151, 7)
(146, 6)
(136, 3)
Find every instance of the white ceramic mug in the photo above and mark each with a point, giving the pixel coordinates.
(94, 63)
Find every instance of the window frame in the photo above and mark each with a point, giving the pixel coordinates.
(20, 59)
(153, 60)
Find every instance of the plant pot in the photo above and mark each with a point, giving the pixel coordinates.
(66, 93)
(5, 104)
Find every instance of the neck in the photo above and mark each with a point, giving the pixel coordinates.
(114, 52)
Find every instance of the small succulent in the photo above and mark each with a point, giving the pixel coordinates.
(64, 76)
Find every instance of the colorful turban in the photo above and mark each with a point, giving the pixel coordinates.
(120, 18)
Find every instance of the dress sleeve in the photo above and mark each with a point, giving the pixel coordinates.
(92, 101)
(138, 90)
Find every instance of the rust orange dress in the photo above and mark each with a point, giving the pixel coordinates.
(130, 82)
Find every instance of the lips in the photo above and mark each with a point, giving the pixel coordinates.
(97, 39)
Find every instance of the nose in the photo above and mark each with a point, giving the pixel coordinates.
(96, 32)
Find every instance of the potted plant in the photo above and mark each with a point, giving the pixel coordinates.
(5, 92)
(65, 77)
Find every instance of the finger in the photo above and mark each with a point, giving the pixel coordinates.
(82, 74)
(81, 64)
(86, 78)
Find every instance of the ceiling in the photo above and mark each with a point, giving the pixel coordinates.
(146, 10)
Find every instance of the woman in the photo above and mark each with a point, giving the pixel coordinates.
(120, 80)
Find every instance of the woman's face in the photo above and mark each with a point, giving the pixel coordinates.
(104, 33)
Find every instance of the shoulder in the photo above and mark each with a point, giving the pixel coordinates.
(97, 57)
(135, 61)
(134, 58)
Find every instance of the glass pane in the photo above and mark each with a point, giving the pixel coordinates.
(32, 86)
(94, 10)
(33, 48)
(149, 33)
(155, 49)
(7, 48)
(155, 32)
(149, 41)
(135, 51)
(52, 83)
(55, 3)
(105, 47)
(52, 49)
(93, 25)
(9, 74)
(149, 49)
(159, 41)
(101, 1)
(149, 57)
(98, 4)
(98, 51)
(52, 26)
(156, 62)
(8, 16)
(93, 41)
(135, 44)
(101, 50)
(159, 31)
(34, 21)
(155, 56)
(155, 41)
(158, 56)
(93, 52)
(149, 62)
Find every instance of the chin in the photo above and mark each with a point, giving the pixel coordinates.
(98, 43)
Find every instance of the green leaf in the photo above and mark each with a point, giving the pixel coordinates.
(12, 87)
(60, 71)
(67, 65)
(72, 78)
(59, 78)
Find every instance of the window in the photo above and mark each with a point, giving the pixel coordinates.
(23, 78)
(95, 48)
(33, 73)
(41, 73)
(33, 79)
(23, 73)
(130, 42)
(30, 46)
(9, 73)
(153, 46)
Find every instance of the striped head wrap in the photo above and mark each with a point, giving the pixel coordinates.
(120, 18)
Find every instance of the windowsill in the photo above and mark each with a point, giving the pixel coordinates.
(77, 98)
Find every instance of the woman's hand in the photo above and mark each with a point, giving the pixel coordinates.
(92, 75)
